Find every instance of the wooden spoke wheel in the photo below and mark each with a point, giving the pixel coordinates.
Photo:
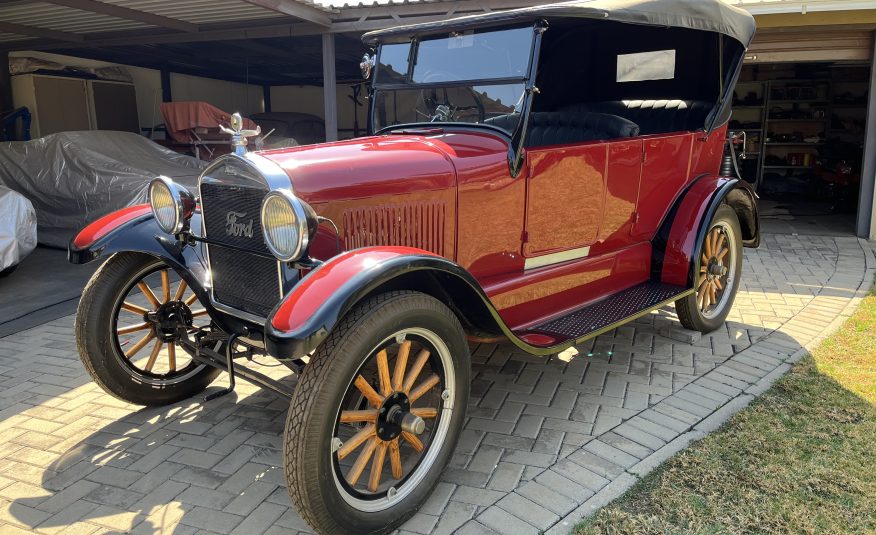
(716, 273)
(394, 406)
(376, 414)
(127, 326)
(147, 322)
(716, 280)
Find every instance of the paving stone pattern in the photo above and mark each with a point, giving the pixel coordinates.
(547, 441)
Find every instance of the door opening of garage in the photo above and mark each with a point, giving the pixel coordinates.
(806, 126)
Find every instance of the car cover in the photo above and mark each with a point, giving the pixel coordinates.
(18, 228)
(73, 178)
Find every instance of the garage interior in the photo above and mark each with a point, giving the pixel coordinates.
(805, 126)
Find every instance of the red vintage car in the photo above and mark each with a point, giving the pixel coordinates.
(538, 175)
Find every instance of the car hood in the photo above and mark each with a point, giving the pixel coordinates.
(367, 167)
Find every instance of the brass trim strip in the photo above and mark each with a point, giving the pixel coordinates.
(556, 258)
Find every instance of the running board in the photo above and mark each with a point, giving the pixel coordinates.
(609, 313)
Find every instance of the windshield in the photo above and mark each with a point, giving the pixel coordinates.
(464, 77)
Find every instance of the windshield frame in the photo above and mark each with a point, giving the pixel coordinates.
(526, 80)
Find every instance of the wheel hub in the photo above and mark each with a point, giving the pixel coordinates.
(394, 417)
(168, 320)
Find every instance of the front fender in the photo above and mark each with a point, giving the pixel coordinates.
(683, 233)
(134, 229)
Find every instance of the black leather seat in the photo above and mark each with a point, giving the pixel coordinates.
(653, 116)
(559, 128)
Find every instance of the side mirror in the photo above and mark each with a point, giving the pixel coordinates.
(367, 65)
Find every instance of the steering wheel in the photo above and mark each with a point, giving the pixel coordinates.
(441, 108)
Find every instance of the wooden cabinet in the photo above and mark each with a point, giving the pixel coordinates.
(61, 104)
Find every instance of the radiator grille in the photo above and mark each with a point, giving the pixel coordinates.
(243, 280)
(232, 215)
(413, 225)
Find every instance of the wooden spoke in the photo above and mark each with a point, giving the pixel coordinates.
(413, 441)
(165, 285)
(147, 292)
(358, 416)
(361, 462)
(720, 244)
(180, 290)
(703, 269)
(171, 358)
(415, 371)
(199, 312)
(153, 356)
(192, 298)
(713, 297)
(425, 413)
(401, 364)
(383, 373)
(722, 254)
(130, 307)
(424, 387)
(395, 459)
(377, 467)
(133, 328)
(367, 390)
(139, 345)
(718, 284)
(355, 441)
(701, 295)
(705, 259)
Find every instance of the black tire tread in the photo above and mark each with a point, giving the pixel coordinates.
(302, 407)
(117, 267)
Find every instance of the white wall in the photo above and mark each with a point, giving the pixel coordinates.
(228, 96)
(308, 99)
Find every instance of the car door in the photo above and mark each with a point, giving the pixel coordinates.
(580, 195)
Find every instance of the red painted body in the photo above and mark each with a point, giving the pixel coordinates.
(451, 193)
(106, 224)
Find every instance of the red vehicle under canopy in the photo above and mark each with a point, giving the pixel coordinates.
(540, 175)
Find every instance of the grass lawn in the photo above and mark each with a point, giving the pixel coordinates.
(800, 459)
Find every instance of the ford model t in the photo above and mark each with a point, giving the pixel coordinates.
(538, 176)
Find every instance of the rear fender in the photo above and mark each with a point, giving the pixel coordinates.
(683, 232)
(308, 314)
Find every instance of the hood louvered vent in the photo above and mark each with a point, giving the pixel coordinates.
(418, 225)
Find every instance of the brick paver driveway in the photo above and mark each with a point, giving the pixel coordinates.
(547, 440)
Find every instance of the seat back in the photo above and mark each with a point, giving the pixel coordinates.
(653, 116)
(558, 128)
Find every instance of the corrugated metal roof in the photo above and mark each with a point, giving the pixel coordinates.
(200, 11)
(61, 18)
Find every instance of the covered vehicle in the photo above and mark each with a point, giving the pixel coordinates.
(538, 175)
(76, 177)
(18, 229)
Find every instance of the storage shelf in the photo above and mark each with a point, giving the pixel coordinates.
(788, 167)
(797, 120)
(795, 144)
(801, 101)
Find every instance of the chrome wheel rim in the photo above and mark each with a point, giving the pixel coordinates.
(717, 276)
(395, 465)
(141, 347)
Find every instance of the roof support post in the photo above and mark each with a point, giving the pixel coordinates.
(330, 87)
(166, 95)
(5, 83)
(866, 227)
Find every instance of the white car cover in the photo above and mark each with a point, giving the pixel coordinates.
(18, 228)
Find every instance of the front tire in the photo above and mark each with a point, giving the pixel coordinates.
(717, 282)
(351, 467)
(113, 333)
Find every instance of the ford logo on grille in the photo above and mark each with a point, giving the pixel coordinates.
(234, 227)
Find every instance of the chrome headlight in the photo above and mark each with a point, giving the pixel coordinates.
(172, 204)
(287, 223)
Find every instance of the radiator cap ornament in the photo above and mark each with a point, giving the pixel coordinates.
(238, 133)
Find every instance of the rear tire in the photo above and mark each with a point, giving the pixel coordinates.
(99, 349)
(707, 308)
(324, 492)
